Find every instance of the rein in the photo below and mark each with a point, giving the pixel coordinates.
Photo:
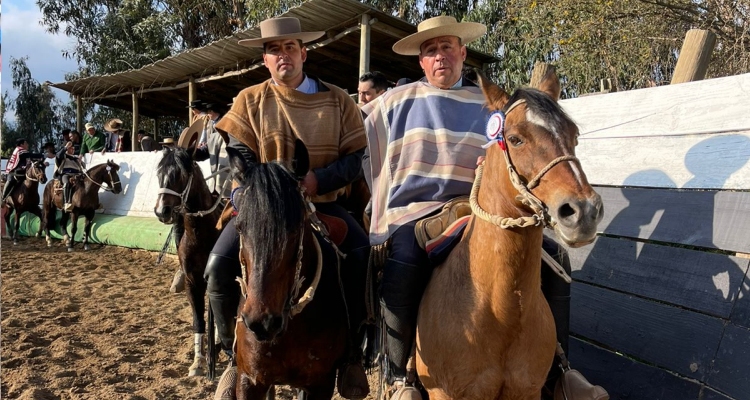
(540, 216)
(184, 194)
(111, 179)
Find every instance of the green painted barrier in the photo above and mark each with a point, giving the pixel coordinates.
(116, 230)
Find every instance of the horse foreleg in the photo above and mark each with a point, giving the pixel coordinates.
(38, 212)
(64, 227)
(49, 218)
(8, 225)
(322, 390)
(73, 230)
(87, 228)
(16, 225)
(196, 292)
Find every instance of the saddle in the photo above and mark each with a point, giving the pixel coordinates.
(336, 227)
(438, 234)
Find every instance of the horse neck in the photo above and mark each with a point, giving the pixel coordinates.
(505, 260)
(30, 182)
(199, 197)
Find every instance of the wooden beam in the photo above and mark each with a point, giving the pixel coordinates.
(156, 128)
(192, 93)
(364, 45)
(695, 56)
(136, 116)
(79, 114)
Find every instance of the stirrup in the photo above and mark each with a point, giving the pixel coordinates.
(401, 390)
(225, 389)
(68, 207)
(178, 282)
(352, 381)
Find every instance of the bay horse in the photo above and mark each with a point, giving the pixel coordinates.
(292, 325)
(184, 198)
(484, 329)
(85, 200)
(25, 197)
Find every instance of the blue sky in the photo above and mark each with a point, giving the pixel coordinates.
(23, 36)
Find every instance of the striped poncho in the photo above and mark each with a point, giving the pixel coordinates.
(423, 144)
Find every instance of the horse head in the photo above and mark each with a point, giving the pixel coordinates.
(534, 162)
(112, 179)
(175, 174)
(37, 171)
(271, 220)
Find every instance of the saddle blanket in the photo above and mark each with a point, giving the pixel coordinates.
(439, 247)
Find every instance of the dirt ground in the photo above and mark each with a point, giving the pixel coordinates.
(95, 325)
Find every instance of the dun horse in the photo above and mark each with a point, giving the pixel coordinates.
(292, 325)
(184, 198)
(85, 200)
(485, 330)
(25, 197)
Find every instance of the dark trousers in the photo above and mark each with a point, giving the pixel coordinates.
(14, 178)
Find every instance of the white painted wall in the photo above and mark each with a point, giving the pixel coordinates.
(691, 135)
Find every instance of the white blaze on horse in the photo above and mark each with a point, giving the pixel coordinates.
(485, 330)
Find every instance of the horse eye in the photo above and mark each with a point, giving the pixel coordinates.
(515, 141)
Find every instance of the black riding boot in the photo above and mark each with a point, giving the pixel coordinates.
(223, 296)
(401, 291)
(9, 185)
(557, 293)
(352, 382)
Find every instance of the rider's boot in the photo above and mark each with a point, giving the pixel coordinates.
(401, 292)
(223, 298)
(8, 189)
(67, 206)
(352, 379)
(557, 293)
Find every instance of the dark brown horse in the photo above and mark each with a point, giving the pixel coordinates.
(185, 200)
(25, 197)
(485, 330)
(291, 326)
(85, 200)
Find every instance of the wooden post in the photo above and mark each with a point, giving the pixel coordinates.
(156, 128)
(192, 93)
(136, 116)
(695, 56)
(79, 114)
(364, 45)
(538, 73)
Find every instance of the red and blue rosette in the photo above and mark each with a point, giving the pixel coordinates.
(494, 129)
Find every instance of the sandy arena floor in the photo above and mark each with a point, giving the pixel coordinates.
(95, 325)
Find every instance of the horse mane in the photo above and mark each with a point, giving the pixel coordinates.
(543, 106)
(272, 210)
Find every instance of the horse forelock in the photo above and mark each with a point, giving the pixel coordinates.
(542, 110)
(270, 214)
(174, 166)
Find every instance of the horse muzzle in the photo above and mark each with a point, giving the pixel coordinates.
(266, 327)
(577, 219)
(165, 214)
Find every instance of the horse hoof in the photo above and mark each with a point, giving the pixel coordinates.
(70, 249)
(15, 243)
(86, 248)
(196, 372)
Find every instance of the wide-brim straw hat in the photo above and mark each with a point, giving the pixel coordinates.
(191, 134)
(168, 141)
(437, 27)
(280, 29)
(113, 125)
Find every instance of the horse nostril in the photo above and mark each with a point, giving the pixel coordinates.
(266, 328)
(566, 211)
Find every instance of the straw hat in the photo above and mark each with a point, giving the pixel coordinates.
(279, 29)
(89, 125)
(168, 142)
(436, 27)
(113, 125)
(190, 135)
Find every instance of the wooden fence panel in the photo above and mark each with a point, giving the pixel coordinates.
(712, 219)
(706, 282)
(679, 340)
(731, 371)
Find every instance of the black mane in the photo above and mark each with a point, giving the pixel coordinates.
(271, 211)
(175, 164)
(542, 105)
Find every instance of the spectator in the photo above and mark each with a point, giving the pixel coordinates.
(146, 142)
(197, 107)
(119, 139)
(168, 142)
(371, 86)
(93, 141)
(48, 150)
(75, 137)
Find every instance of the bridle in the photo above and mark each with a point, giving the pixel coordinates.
(540, 217)
(184, 194)
(111, 179)
(31, 168)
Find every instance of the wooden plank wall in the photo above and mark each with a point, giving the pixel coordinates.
(660, 303)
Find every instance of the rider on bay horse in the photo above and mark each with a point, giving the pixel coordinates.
(66, 165)
(16, 168)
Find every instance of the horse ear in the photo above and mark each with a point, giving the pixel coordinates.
(301, 160)
(239, 164)
(495, 96)
(550, 84)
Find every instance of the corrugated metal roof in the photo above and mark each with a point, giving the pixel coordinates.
(223, 68)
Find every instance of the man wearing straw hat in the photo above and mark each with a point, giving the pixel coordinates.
(268, 117)
(450, 144)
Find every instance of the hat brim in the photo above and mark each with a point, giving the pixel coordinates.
(303, 36)
(467, 31)
(190, 136)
